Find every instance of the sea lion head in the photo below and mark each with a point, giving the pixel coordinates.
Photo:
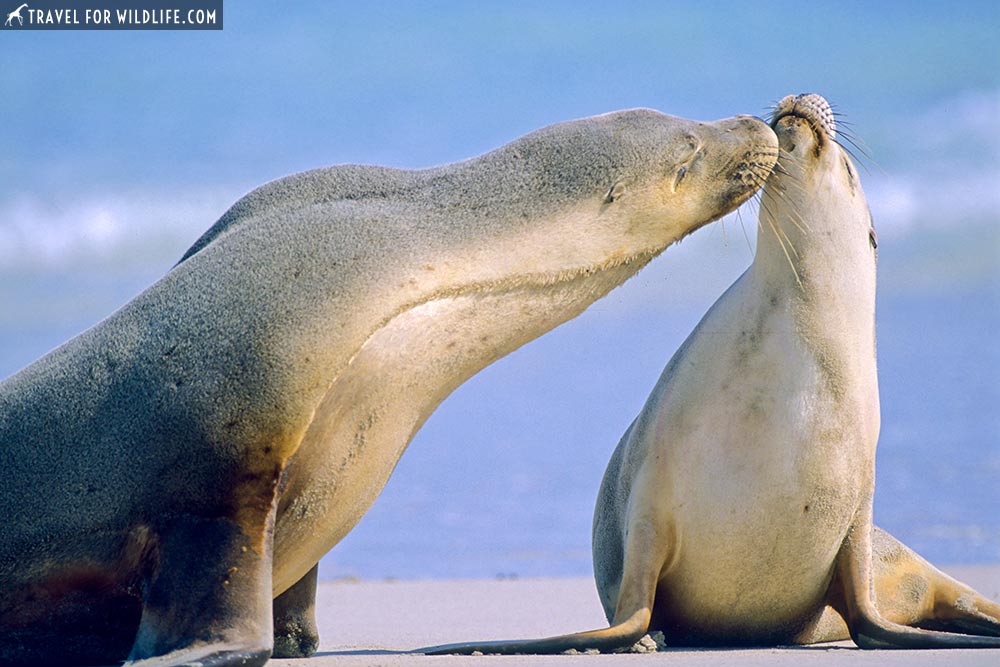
(691, 173)
(813, 207)
(601, 196)
(810, 150)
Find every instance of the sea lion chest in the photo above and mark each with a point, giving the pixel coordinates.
(757, 465)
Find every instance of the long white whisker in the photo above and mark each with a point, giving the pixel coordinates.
(743, 227)
(771, 223)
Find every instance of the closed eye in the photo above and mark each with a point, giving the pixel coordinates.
(681, 173)
(873, 239)
(615, 193)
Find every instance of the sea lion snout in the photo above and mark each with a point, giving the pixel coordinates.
(746, 121)
(808, 107)
(751, 147)
(747, 128)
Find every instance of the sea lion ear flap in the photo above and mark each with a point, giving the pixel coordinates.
(615, 193)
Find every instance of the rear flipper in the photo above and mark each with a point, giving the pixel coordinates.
(909, 592)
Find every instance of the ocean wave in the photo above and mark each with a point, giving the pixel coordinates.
(944, 172)
(122, 228)
(907, 203)
(110, 228)
(946, 169)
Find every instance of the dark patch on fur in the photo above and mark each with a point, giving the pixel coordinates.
(82, 616)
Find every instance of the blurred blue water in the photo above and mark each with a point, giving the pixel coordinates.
(938, 468)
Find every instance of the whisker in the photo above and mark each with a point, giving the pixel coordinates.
(864, 152)
(834, 107)
(764, 206)
(758, 179)
(722, 224)
(854, 157)
(743, 227)
(788, 240)
(847, 131)
(780, 168)
(783, 171)
(788, 183)
(771, 223)
(777, 193)
(794, 216)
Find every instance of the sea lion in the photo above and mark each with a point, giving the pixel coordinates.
(171, 470)
(737, 508)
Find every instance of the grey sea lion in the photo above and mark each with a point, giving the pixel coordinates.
(170, 471)
(737, 508)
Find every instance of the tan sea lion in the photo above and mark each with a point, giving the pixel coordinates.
(170, 471)
(737, 508)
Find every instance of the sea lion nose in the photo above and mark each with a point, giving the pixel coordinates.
(813, 100)
(810, 106)
(816, 108)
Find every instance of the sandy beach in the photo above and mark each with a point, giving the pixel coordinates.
(379, 622)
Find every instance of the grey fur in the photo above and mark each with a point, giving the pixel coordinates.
(295, 349)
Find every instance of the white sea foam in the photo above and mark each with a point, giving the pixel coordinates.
(905, 203)
(949, 170)
(115, 228)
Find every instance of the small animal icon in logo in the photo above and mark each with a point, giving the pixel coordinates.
(16, 14)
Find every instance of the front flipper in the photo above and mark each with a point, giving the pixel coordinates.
(871, 629)
(295, 632)
(207, 601)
